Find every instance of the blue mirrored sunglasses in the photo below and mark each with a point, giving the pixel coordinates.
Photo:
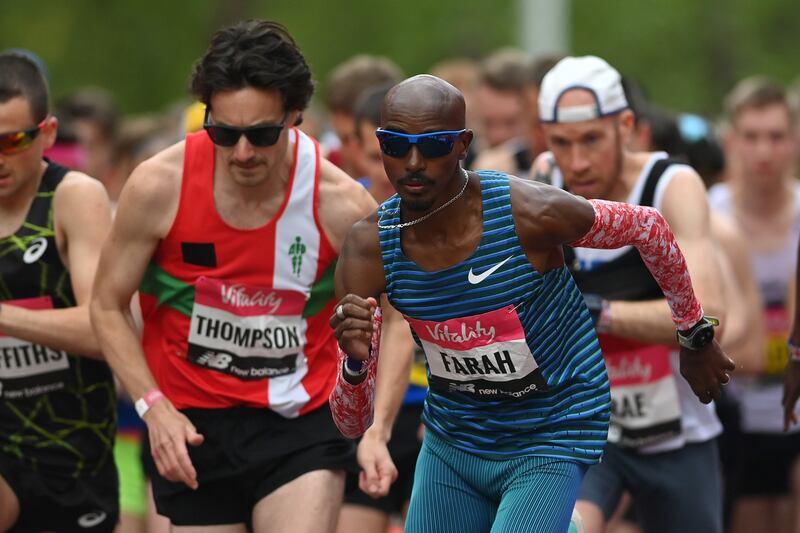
(430, 145)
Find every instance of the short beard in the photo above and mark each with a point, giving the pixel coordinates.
(418, 204)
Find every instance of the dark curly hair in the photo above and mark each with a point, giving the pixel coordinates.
(254, 53)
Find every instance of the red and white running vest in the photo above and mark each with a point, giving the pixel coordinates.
(240, 316)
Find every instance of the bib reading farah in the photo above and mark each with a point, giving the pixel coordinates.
(484, 355)
(248, 332)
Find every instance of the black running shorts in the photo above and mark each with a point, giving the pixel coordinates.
(48, 502)
(246, 454)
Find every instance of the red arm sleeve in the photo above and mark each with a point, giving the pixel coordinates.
(619, 224)
(352, 406)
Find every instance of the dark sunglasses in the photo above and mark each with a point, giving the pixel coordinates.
(260, 136)
(430, 145)
(17, 141)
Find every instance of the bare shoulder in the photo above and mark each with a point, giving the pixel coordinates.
(78, 188)
(81, 209)
(362, 240)
(342, 202)
(687, 178)
(152, 192)
(547, 215)
(685, 202)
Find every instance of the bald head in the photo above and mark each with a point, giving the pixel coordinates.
(424, 99)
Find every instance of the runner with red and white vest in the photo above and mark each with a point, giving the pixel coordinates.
(231, 237)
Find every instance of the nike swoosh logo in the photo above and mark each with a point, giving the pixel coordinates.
(475, 279)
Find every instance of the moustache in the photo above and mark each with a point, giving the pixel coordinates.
(248, 164)
(415, 178)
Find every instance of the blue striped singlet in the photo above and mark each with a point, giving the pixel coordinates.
(512, 357)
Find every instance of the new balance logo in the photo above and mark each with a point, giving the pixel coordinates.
(477, 278)
(455, 387)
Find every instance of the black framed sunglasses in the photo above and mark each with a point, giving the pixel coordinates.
(261, 135)
(430, 145)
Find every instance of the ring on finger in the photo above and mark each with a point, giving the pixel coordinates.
(340, 312)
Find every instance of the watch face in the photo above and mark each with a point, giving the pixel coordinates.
(702, 336)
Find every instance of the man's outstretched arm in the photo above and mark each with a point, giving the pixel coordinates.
(619, 224)
(552, 217)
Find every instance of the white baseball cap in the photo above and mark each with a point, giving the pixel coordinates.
(589, 73)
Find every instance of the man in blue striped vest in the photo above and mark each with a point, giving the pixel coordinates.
(519, 399)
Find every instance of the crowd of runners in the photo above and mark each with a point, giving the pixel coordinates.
(506, 295)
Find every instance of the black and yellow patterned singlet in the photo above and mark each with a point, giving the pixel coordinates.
(57, 411)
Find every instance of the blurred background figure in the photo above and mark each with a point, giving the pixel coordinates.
(367, 114)
(93, 117)
(344, 85)
(463, 74)
(138, 138)
(762, 197)
(503, 114)
(67, 150)
(536, 70)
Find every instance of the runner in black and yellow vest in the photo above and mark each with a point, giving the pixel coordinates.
(57, 406)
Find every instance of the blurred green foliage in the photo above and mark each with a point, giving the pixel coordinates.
(686, 53)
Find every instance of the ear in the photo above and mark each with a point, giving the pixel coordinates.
(466, 140)
(294, 118)
(626, 122)
(642, 137)
(49, 131)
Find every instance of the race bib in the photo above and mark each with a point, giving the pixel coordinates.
(28, 369)
(485, 355)
(245, 331)
(777, 326)
(645, 407)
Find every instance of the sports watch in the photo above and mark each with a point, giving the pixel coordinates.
(700, 335)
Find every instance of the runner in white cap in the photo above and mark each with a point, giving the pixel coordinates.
(661, 440)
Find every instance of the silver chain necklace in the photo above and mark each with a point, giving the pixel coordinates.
(429, 215)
